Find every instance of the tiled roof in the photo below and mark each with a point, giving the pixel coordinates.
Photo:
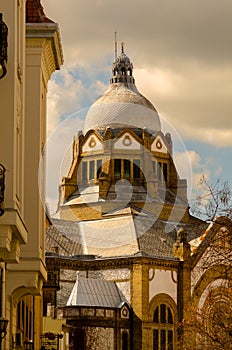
(64, 236)
(159, 237)
(95, 292)
(123, 235)
(35, 13)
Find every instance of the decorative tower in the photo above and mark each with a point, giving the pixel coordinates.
(122, 158)
(124, 212)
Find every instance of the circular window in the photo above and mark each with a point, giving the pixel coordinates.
(158, 144)
(127, 141)
(92, 142)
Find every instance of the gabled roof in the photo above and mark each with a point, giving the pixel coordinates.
(92, 292)
(35, 13)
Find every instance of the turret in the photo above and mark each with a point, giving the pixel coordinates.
(122, 69)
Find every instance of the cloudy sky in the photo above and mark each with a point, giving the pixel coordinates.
(182, 56)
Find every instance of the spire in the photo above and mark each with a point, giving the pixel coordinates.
(122, 67)
(122, 45)
(115, 46)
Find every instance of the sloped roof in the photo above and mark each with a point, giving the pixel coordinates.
(126, 233)
(64, 237)
(95, 293)
(35, 12)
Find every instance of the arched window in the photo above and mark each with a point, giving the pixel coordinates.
(163, 330)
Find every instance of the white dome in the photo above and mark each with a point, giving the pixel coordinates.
(122, 105)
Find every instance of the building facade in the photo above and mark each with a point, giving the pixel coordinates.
(124, 228)
(33, 53)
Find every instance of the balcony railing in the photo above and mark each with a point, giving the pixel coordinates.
(2, 188)
(3, 47)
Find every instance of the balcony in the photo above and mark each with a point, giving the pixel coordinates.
(3, 47)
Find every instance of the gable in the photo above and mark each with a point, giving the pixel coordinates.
(92, 144)
(126, 141)
(158, 145)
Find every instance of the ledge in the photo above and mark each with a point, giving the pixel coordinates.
(41, 34)
(12, 219)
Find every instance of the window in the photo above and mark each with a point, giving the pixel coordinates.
(99, 167)
(91, 170)
(125, 341)
(160, 169)
(24, 320)
(136, 169)
(165, 172)
(154, 163)
(163, 328)
(163, 313)
(127, 171)
(84, 171)
(117, 168)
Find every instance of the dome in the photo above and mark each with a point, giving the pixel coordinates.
(122, 104)
(122, 58)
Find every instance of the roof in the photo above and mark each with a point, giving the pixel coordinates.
(95, 293)
(119, 234)
(35, 13)
(122, 105)
(199, 243)
(63, 237)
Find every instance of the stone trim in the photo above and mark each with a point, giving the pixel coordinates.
(71, 263)
(46, 36)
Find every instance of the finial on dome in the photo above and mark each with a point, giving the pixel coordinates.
(122, 67)
(115, 46)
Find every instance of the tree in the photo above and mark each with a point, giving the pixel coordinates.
(212, 322)
(212, 200)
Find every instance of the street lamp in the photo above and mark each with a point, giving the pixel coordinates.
(3, 327)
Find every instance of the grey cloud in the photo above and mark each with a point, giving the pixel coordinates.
(162, 32)
(190, 38)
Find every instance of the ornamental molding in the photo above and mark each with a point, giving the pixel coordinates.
(45, 37)
(68, 263)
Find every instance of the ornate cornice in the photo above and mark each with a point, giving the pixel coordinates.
(46, 36)
(83, 263)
